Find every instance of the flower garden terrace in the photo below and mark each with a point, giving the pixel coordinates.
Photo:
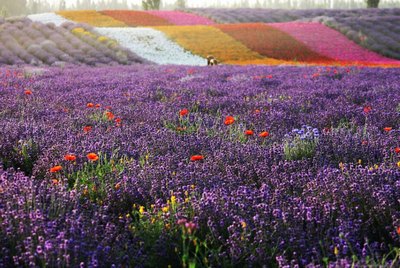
(222, 166)
(268, 37)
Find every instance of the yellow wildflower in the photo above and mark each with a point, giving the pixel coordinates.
(341, 165)
(165, 209)
(336, 251)
(141, 209)
(173, 200)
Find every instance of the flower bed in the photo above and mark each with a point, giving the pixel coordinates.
(35, 43)
(92, 18)
(330, 43)
(48, 18)
(207, 40)
(375, 29)
(271, 42)
(136, 18)
(200, 166)
(152, 45)
(182, 18)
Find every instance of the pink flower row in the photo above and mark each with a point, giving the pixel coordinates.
(330, 43)
(181, 18)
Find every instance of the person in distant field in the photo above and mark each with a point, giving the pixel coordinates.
(211, 60)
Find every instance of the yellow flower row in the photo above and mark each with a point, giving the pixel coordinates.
(91, 17)
(208, 40)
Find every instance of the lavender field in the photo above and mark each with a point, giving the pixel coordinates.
(229, 166)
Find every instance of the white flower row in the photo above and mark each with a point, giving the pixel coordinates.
(48, 18)
(152, 45)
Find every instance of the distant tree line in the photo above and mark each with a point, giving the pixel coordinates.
(23, 7)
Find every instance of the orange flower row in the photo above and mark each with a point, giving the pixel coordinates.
(91, 17)
(271, 42)
(136, 18)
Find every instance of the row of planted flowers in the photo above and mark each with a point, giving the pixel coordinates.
(225, 166)
(248, 43)
(23, 41)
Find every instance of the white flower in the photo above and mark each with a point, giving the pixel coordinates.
(152, 45)
(48, 17)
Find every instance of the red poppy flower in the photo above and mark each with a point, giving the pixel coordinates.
(257, 111)
(98, 105)
(86, 129)
(264, 134)
(398, 230)
(180, 128)
(70, 157)
(110, 115)
(118, 120)
(364, 142)
(117, 186)
(397, 150)
(92, 157)
(54, 181)
(55, 169)
(367, 109)
(327, 129)
(229, 120)
(249, 132)
(269, 76)
(28, 92)
(387, 129)
(196, 157)
(183, 112)
(90, 105)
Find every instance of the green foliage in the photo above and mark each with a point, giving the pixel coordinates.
(372, 3)
(185, 124)
(12, 7)
(151, 4)
(180, 4)
(23, 156)
(297, 149)
(187, 244)
(3, 12)
(95, 177)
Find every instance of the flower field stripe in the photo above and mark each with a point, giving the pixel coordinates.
(208, 40)
(36, 43)
(331, 43)
(181, 18)
(271, 42)
(92, 18)
(48, 18)
(136, 18)
(152, 45)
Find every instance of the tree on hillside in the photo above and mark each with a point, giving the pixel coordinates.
(151, 4)
(63, 6)
(180, 4)
(13, 7)
(372, 3)
(3, 12)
